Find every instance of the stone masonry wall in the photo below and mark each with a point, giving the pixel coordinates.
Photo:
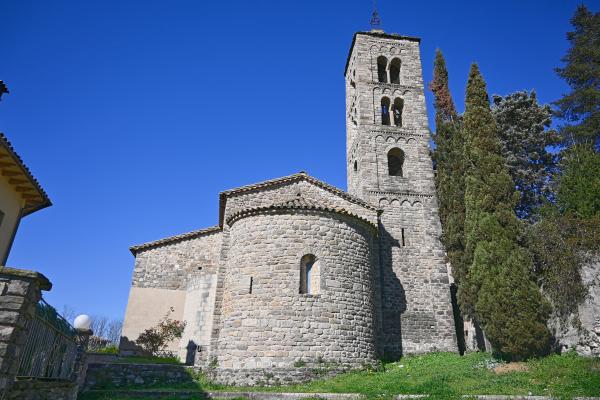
(32, 389)
(275, 325)
(167, 266)
(198, 313)
(179, 274)
(416, 305)
(585, 339)
(20, 291)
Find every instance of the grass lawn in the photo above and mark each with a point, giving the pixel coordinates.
(443, 376)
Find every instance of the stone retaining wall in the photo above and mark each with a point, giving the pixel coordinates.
(20, 290)
(37, 389)
(125, 375)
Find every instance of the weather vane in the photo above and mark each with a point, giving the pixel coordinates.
(375, 20)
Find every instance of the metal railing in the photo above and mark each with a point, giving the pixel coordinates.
(51, 347)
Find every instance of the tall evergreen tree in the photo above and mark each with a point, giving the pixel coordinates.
(581, 107)
(523, 126)
(498, 290)
(449, 160)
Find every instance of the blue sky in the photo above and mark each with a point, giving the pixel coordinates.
(134, 115)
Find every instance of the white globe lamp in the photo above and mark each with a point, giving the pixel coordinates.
(82, 322)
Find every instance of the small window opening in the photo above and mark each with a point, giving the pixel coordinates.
(1, 217)
(395, 71)
(385, 111)
(395, 162)
(397, 111)
(199, 268)
(403, 239)
(382, 69)
(251, 284)
(309, 275)
(355, 166)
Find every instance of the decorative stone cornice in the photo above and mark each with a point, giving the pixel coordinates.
(380, 35)
(301, 176)
(398, 132)
(397, 194)
(297, 203)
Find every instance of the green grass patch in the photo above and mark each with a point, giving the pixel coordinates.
(444, 376)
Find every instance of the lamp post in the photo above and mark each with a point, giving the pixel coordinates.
(82, 325)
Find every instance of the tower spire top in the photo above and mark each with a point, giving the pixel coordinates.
(375, 19)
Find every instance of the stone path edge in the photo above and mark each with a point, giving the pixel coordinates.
(301, 396)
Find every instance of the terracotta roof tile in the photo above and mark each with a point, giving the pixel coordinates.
(174, 239)
(33, 204)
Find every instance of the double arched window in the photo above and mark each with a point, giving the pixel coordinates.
(309, 274)
(391, 114)
(388, 72)
(395, 162)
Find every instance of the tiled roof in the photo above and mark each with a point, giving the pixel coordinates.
(174, 239)
(301, 176)
(292, 203)
(295, 203)
(13, 167)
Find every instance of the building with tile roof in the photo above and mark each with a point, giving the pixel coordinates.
(20, 195)
(297, 269)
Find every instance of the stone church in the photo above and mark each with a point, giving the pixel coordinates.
(300, 273)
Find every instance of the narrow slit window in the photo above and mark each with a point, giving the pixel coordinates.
(403, 238)
(395, 71)
(355, 166)
(309, 275)
(382, 69)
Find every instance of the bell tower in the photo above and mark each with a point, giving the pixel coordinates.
(389, 165)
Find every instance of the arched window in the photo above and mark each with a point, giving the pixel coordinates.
(382, 69)
(397, 111)
(395, 71)
(395, 161)
(309, 274)
(385, 111)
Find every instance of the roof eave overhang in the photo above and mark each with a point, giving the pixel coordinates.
(14, 169)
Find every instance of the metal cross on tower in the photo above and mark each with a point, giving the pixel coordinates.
(375, 19)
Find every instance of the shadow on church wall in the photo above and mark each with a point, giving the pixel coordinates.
(393, 298)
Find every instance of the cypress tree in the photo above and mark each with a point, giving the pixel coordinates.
(498, 289)
(449, 161)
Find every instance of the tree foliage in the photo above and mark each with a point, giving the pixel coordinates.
(449, 161)
(155, 340)
(523, 127)
(561, 245)
(498, 290)
(580, 109)
(578, 189)
(568, 235)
